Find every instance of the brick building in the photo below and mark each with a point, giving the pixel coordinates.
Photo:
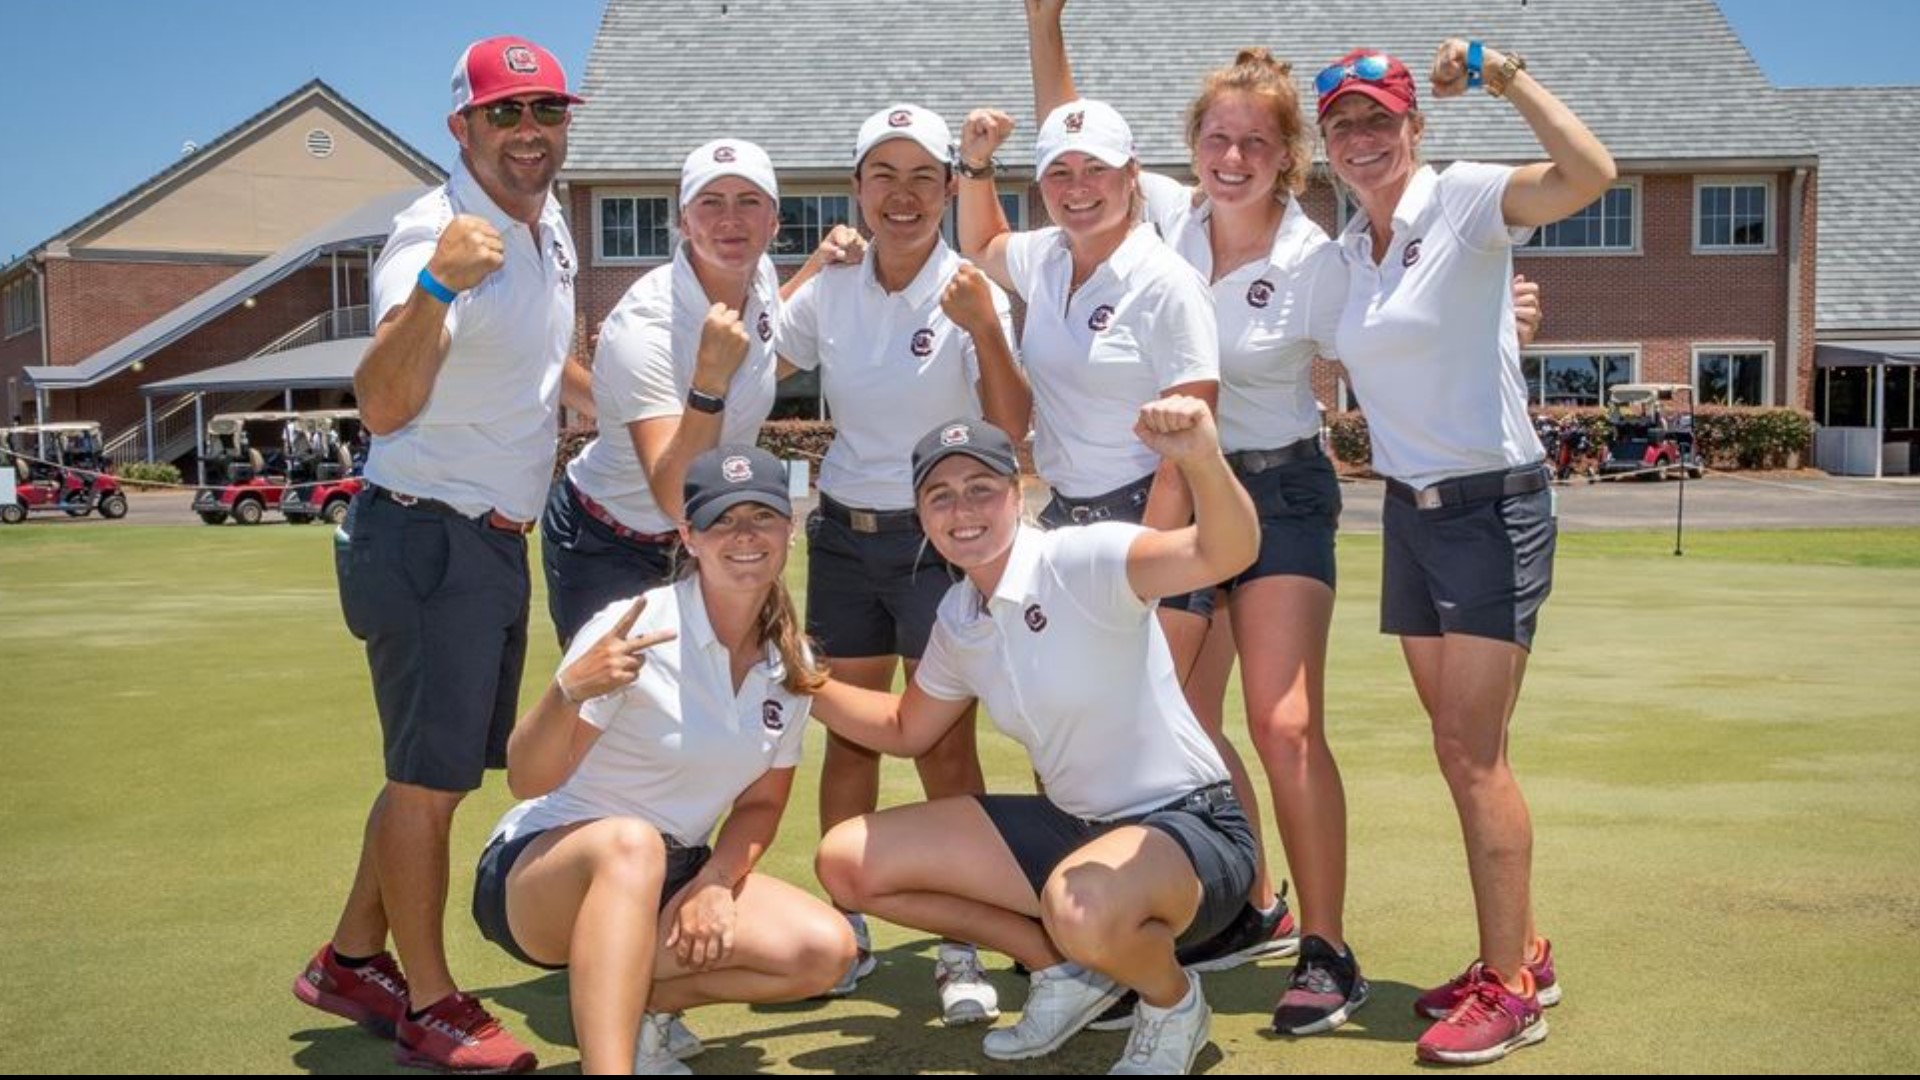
(232, 249)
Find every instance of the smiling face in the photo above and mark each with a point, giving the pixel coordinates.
(903, 193)
(1370, 147)
(515, 166)
(729, 225)
(1087, 197)
(1240, 153)
(970, 512)
(745, 549)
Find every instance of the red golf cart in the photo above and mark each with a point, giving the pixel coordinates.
(58, 468)
(245, 456)
(323, 471)
(1650, 437)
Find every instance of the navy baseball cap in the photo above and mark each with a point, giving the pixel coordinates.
(726, 476)
(976, 439)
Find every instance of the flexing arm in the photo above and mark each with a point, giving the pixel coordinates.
(395, 377)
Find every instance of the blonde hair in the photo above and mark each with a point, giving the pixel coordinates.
(1255, 71)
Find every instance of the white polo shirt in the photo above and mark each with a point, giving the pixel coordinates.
(1276, 314)
(892, 366)
(1428, 334)
(643, 369)
(1071, 664)
(678, 746)
(485, 440)
(1141, 324)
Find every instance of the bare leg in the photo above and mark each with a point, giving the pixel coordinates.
(410, 834)
(1206, 691)
(787, 946)
(1117, 905)
(362, 930)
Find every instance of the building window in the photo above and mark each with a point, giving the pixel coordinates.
(1012, 203)
(805, 220)
(1605, 225)
(1562, 379)
(21, 302)
(634, 227)
(1733, 215)
(1733, 377)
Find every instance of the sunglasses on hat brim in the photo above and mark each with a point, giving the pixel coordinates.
(1370, 68)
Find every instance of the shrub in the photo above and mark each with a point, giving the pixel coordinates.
(147, 475)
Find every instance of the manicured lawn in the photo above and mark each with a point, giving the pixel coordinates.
(1720, 751)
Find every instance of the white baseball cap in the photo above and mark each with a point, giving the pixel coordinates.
(727, 157)
(923, 126)
(1090, 127)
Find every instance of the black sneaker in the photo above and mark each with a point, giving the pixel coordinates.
(1253, 935)
(1326, 989)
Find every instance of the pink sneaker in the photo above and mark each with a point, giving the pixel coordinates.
(1438, 1002)
(373, 995)
(1489, 1023)
(456, 1034)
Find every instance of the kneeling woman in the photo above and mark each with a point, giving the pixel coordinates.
(669, 711)
(1137, 844)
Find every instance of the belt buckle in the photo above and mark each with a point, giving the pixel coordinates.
(1428, 498)
(1080, 515)
(863, 521)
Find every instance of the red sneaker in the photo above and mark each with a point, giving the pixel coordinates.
(373, 995)
(457, 1034)
(1438, 1003)
(1489, 1023)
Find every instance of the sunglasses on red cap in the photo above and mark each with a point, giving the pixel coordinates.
(1372, 67)
(547, 112)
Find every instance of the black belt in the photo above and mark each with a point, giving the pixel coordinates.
(1127, 503)
(869, 521)
(1479, 487)
(492, 519)
(1255, 462)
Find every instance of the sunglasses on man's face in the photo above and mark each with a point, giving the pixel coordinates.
(547, 112)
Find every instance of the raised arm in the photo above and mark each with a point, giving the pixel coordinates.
(983, 225)
(1579, 169)
(1047, 53)
(1225, 535)
(395, 377)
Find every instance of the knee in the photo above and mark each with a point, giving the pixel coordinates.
(1286, 732)
(823, 953)
(1466, 763)
(630, 853)
(1082, 913)
(840, 864)
(412, 799)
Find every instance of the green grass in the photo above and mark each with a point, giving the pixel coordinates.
(1719, 750)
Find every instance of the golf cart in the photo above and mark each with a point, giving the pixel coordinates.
(58, 468)
(245, 457)
(323, 473)
(1650, 436)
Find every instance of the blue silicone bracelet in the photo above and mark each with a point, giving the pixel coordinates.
(1474, 52)
(433, 287)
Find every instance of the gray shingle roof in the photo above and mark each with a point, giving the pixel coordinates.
(1868, 272)
(1659, 80)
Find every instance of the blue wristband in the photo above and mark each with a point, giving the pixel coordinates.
(1474, 53)
(433, 288)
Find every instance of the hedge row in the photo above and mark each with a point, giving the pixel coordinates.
(1728, 437)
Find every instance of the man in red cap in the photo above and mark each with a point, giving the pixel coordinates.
(460, 390)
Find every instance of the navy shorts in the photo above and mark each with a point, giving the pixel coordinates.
(490, 887)
(1299, 508)
(872, 594)
(1128, 504)
(1208, 824)
(441, 602)
(589, 566)
(1482, 567)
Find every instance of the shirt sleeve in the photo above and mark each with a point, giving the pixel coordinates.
(633, 370)
(937, 675)
(1183, 341)
(1470, 195)
(1023, 248)
(1327, 285)
(397, 270)
(1167, 200)
(797, 338)
(1091, 561)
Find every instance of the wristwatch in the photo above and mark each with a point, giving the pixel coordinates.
(975, 172)
(706, 403)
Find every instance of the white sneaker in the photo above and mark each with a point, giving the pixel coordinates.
(863, 961)
(653, 1056)
(682, 1043)
(1062, 1000)
(966, 997)
(1165, 1041)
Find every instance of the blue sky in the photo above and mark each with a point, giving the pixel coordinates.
(137, 80)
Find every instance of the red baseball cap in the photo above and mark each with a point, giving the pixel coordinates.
(504, 67)
(1392, 87)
